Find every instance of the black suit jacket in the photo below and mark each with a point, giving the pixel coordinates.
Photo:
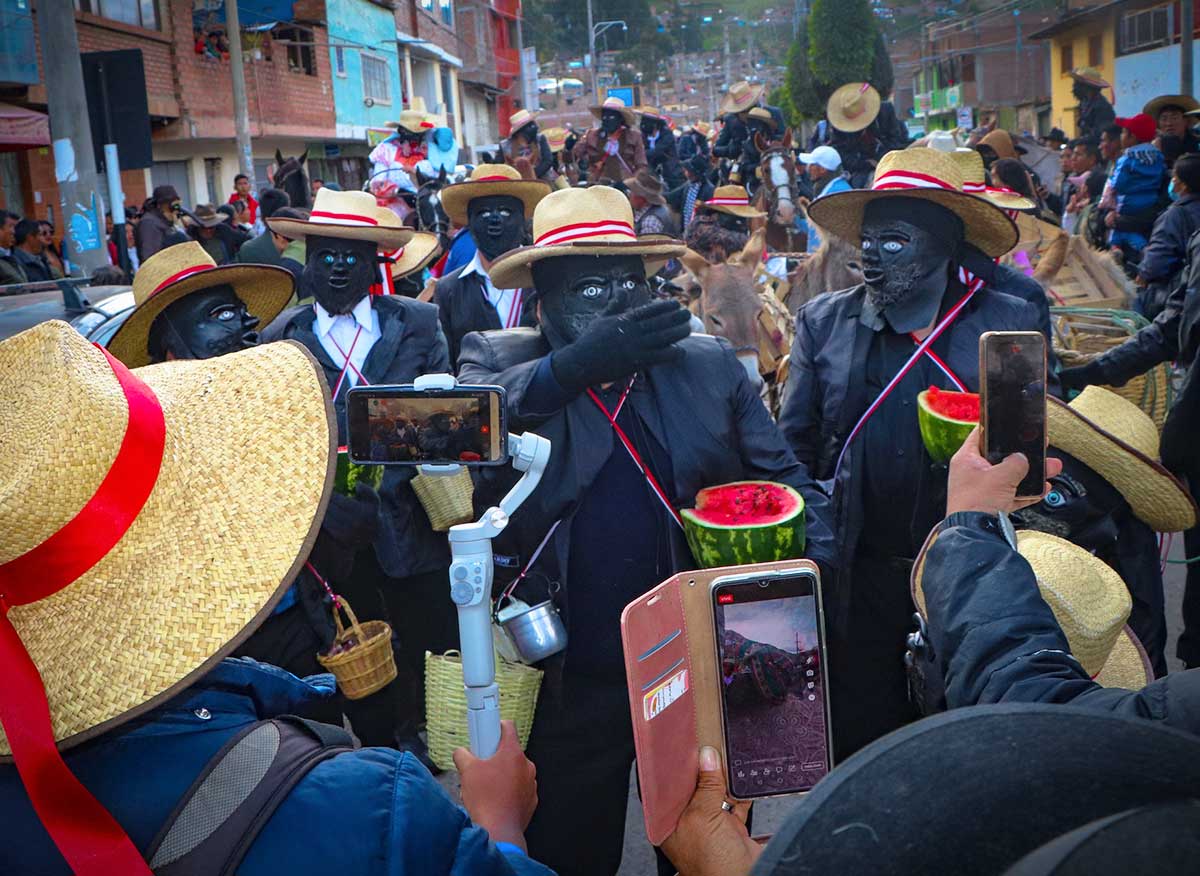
(463, 308)
(411, 344)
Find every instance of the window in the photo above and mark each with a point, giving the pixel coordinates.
(967, 66)
(299, 44)
(143, 13)
(447, 12)
(447, 93)
(1066, 59)
(1142, 30)
(427, 5)
(1095, 50)
(376, 79)
(339, 61)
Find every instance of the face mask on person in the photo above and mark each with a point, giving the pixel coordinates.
(339, 273)
(1172, 192)
(649, 127)
(732, 223)
(203, 325)
(576, 290)
(497, 224)
(611, 121)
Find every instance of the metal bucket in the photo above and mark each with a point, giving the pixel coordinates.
(534, 632)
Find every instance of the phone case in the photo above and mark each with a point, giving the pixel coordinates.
(674, 698)
(984, 340)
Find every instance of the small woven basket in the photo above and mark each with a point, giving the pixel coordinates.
(446, 498)
(366, 663)
(446, 702)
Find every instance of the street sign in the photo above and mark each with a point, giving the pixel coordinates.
(966, 117)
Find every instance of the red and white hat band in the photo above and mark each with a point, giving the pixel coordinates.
(974, 187)
(728, 202)
(324, 217)
(910, 179)
(175, 278)
(584, 230)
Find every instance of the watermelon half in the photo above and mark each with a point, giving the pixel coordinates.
(745, 522)
(946, 419)
(350, 473)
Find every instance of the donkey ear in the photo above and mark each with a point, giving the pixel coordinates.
(695, 264)
(303, 158)
(278, 158)
(787, 139)
(752, 252)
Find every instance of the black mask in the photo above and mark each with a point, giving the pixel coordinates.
(575, 290)
(411, 137)
(649, 127)
(338, 273)
(528, 133)
(497, 224)
(1083, 92)
(732, 223)
(202, 325)
(1081, 507)
(610, 121)
(908, 247)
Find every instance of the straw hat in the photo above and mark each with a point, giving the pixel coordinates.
(970, 164)
(244, 470)
(556, 138)
(487, 180)
(705, 129)
(415, 255)
(349, 216)
(740, 97)
(732, 200)
(1185, 102)
(1090, 602)
(648, 186)
(1119, 441)
(520, 119)
(853, 107)
(1001, 142)
(178, 271)
(1090, 76)
(594, 221)
(653, 112)
(928, 175)
(615, 103)
(416, 118)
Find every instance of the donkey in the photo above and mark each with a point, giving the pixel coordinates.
(290, 176)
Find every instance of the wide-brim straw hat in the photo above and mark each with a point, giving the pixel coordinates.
(1090, 76)
(597, 220)
(647, 185)
(415, 255)
(652, 112)
(348, 216)
(1119, 441)
(556, 138)
(416, 118)
(1185, 102)
(1090, 602)
(740, 97)
(178, 271)
(970, 164)
(244, 448)
(520, 119)
(615, 103)
(488, 180)
(927, 175)
(853, 107)
(732, 200)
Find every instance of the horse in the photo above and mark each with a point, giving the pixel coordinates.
(776, 195)
(290, 176)
(429, 213)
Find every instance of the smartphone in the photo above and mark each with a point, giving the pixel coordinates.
(774, 692)
(1012, 402)
(401, 425)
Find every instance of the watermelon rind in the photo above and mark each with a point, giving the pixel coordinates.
(715, 545)
(943, 436)
(350, 473)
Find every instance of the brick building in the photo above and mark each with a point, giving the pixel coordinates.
(490, 77)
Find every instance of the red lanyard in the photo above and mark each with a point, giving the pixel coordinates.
(337, 387)
(514, 310)
(633, 454)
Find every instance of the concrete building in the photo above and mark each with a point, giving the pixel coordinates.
(430, 57)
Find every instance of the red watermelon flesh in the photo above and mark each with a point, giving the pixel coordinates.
(745, 522)
(955, 405)
(751, 503)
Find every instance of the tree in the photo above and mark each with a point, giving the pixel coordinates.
(841, 37)
(803, 91)
(882, 76)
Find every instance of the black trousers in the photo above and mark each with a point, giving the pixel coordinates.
(1179, 454)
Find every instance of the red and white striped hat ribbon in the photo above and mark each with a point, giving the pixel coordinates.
(728, 202)
(324, 217)
(584, 230)
(974, 187)
(909, 179)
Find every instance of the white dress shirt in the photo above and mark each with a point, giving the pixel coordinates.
(506, 301)
(348, 335)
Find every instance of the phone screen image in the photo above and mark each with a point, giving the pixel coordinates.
(399, 426)
(1014, 401)
(773, 696)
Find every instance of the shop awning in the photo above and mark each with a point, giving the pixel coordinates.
(22, 128)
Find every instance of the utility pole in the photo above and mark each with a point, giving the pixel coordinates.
(1186, 25)
(727, 82)
(592, 52)
(74, 159)
(241, 113)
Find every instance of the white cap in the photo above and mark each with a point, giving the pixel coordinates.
(826, 156)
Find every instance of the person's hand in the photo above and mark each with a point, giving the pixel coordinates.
(804, 202)
(1110, 219)
(616, 344)
(1042, 191)
(499, 793)
(709, 841)
(977, 485)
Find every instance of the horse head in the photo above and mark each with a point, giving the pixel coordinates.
(430, 214)
(290, 176)
(779, 178)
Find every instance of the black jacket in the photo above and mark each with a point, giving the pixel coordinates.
(463, 308)
(691, 143)
(701, 409)
(1095, 115)
(36, 267)
(997, 641)
(732, 138)
(663, 158)
(677, 198)
(1164, 256)
(411, 344)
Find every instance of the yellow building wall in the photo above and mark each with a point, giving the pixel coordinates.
(1062, 102)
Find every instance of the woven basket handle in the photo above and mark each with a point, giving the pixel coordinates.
(337, 620)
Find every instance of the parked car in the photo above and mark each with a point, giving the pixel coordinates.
(95, 311)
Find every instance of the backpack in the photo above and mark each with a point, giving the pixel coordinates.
(216, 822)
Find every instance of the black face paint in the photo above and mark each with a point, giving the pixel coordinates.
(529, 133)
(908, 247)
(412, 137)
(575, 290)
(732, 223)
(339, 273)
(649, 127)
(497, 224)
(202, 325)
(610, 121)
(1081, 507)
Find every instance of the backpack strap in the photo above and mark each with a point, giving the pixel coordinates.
(234, 796)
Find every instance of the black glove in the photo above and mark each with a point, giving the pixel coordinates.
(1082, 376)
(617, 344)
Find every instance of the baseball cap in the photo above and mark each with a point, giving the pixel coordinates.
(826, 156)
(1141, 126)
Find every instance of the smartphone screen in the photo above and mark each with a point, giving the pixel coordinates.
(401, 425)
(1013, 402)
(774, 700)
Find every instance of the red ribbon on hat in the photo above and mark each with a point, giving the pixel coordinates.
(582, 230)
(340, 217)
(175, 278)
(728, 202)
(87, 835)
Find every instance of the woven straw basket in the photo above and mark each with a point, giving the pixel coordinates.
(368, 664)
(446, 702)
(446, 498)
(1083, 333)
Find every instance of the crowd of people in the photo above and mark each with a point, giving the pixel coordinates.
(166, 596)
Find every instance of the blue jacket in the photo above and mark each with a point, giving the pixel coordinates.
(371, 811)
(838, 184)
(1137, 181)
